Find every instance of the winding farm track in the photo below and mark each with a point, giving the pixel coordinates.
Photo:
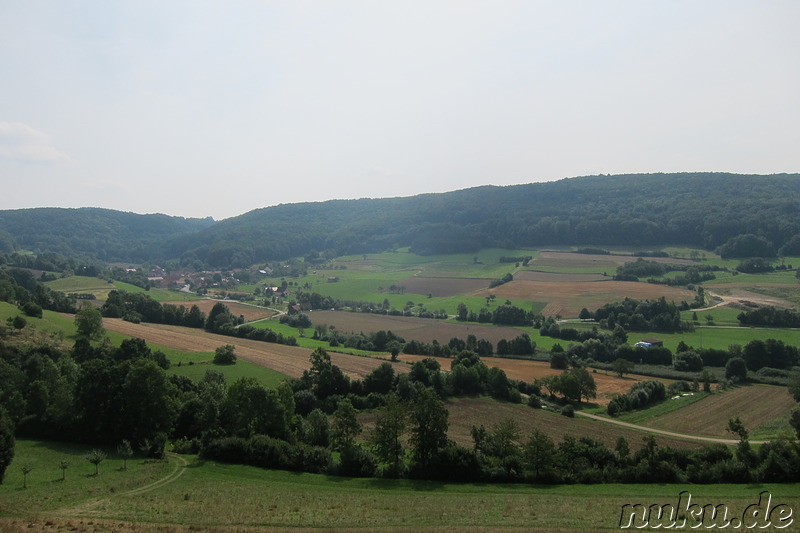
(662, 432)
(177, 472)
(86, 507)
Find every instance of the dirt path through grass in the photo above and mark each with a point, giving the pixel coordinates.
(86, 508)
(177, 472)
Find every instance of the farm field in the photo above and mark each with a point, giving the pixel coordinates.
(568, 298)
(195, 365)
(608, 384)
(82, 284)
(411, 328)
(466, 412)
(556, 261)
(288, 360)
(100, 289)
(249, 312)
(755, 405)
(187, 494)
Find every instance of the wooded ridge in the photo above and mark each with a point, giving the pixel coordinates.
(704, 210)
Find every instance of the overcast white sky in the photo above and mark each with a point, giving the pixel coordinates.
(199, 108)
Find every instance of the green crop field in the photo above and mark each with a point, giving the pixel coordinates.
(205, 495)
(704, 336)
(201, 363)
(82, 284)
(159, 295)
(304, 341)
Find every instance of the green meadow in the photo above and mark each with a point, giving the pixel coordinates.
(206, 495)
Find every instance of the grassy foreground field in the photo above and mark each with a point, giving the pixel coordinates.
(204, 495)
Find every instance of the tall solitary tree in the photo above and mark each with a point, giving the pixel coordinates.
(390, 424)
(428, 426)
(89, 323)
(345, 427)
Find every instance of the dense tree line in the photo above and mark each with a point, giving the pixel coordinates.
(102, 234)
(769, 316)
(506, 314)
(19, 287)
(640, 268)
(95, 393)
(641, 394)
(141, 307)
(635, 315)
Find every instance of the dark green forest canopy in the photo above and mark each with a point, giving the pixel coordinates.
(103, 234)
(705, 210)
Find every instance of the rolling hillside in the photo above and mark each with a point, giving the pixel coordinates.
(698, 209)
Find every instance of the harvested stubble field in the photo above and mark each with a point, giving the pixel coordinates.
(289, 360)
(601, 261)
(293, 360)
(466, 412)
(764, 294)
(487, 412)
(568, 298)
(608, 384)
(411, 328)
(753, 404)
(249, 312)
(535, 275)
(443, 287)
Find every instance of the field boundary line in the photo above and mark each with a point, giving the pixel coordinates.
(667, 433)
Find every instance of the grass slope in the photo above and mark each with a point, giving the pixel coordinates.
(210, 495)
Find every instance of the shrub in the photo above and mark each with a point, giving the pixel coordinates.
(568, 410)
(355, 461)
(32, 309)
(225, 355)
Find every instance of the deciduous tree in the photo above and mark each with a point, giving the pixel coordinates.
(390, 425)
(89, 323)
(428, 425)
(345, 427)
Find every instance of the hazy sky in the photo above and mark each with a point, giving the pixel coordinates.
(200, 108)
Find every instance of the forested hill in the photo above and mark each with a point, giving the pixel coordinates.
(698, 209)
(104, 234)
